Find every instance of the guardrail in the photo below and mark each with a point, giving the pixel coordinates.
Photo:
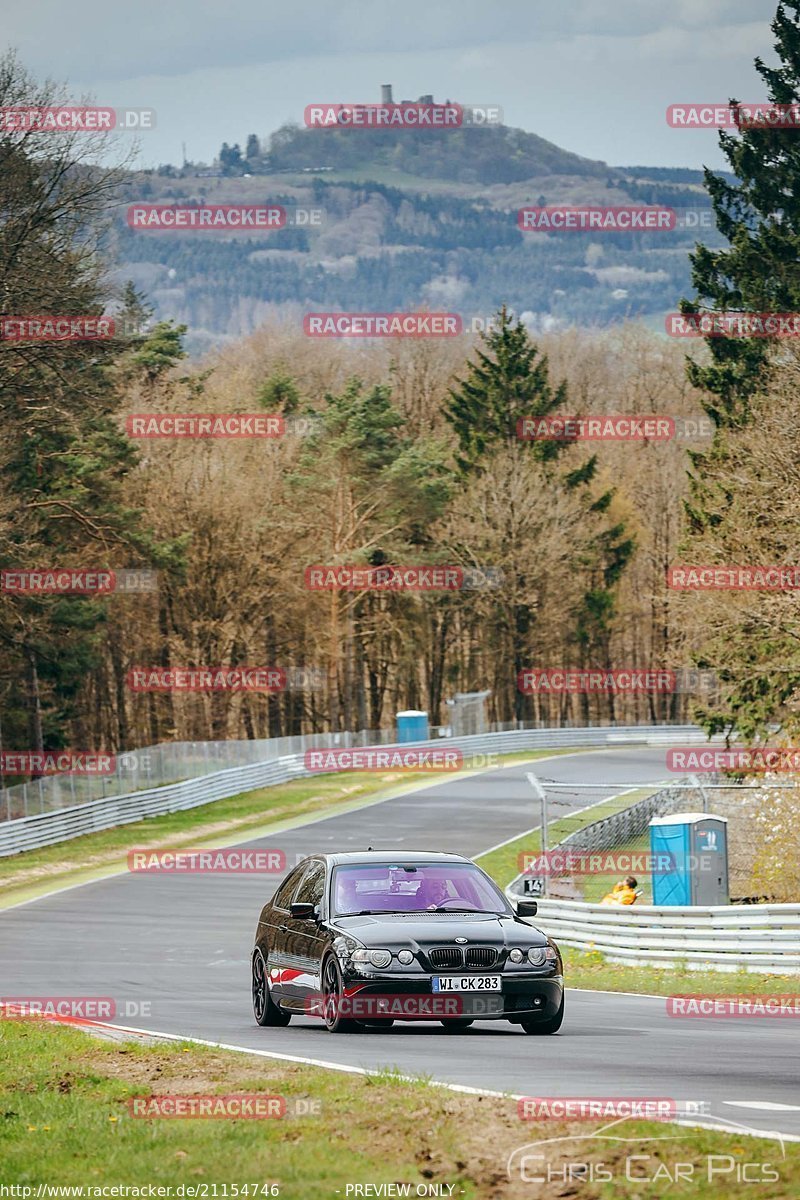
(46, 828)
(763, 937)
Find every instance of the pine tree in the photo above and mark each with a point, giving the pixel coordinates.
(63, 456)
(510, 380)
(759, 214)
(136, 312)
(279, 394)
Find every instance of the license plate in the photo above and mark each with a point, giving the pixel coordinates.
(465, 983)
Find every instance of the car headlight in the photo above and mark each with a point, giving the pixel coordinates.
(375, 958)
(405, 957)
(539, 955)
(516, 956)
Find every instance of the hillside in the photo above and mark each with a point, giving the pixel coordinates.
(409, 220)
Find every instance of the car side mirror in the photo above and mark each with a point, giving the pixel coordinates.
(527, 908)
(302, 912)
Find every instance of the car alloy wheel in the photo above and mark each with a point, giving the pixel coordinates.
(332, 995)
(265, 1010)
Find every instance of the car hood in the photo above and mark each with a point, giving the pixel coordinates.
(440, 929)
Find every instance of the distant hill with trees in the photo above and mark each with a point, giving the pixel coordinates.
(410, 219)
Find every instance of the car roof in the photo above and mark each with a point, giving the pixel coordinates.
(388, 857)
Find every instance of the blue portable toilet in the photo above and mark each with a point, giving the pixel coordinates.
(412, 726)
(694, 848)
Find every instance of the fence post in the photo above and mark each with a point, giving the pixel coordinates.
(540, 792)
(694, 780)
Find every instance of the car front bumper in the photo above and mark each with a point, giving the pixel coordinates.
(411, 997)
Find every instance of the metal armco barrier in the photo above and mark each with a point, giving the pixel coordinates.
(762, 937)
(46, 828)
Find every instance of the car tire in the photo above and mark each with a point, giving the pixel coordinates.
(548, 1025)
(265, 1010)
(332, 986)
(457, 1025)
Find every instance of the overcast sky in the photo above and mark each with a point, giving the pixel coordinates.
(594, 76)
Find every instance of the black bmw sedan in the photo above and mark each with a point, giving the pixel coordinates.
(364, 939)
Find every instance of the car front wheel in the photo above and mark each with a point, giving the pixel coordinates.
(265, 1011)
(548, 1025)
(332, 994)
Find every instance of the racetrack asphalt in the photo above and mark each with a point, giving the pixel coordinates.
(173, 952)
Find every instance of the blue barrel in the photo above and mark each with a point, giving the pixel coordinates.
(412, 726)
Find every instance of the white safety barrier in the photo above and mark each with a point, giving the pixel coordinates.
(46, 828)
(753, 937)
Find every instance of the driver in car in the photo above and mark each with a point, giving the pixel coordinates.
(436, 892)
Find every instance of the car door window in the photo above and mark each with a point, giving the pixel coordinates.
(284, 893)
(312, 888)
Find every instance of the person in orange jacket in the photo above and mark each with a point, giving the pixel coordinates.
(623, 893)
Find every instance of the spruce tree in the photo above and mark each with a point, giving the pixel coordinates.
(508, 380)
(759, 215)
(759, 271)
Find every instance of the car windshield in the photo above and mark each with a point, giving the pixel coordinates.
(414, 888)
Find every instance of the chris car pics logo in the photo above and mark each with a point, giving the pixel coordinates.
(613, 1153)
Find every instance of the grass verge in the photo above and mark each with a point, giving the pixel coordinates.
(590, 969)
(503, 864)
(66, 1120)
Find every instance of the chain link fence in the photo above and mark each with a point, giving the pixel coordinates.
(171, 762)
(763, 838)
